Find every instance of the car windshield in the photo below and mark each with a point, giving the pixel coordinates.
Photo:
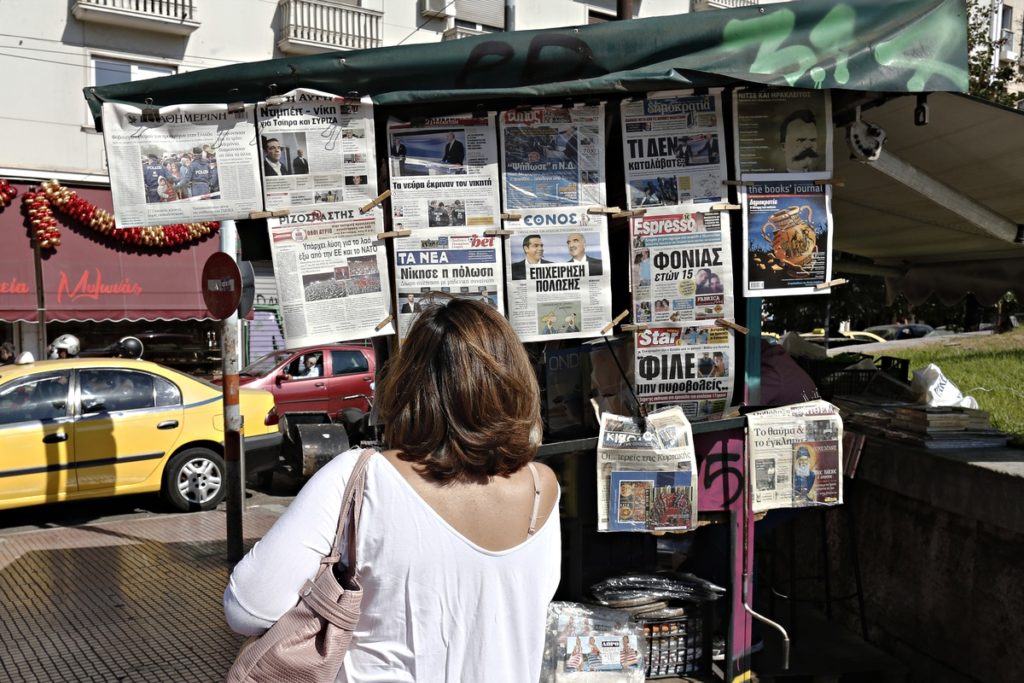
(262, 366)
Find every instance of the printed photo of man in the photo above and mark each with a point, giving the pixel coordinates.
(454, 151)
(533, 250)
(577, 244)
(300, 166)
(798, 135)
(272, 164)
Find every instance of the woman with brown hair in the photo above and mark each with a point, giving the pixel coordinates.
(459, 549)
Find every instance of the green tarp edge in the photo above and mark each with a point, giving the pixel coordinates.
(861, 45)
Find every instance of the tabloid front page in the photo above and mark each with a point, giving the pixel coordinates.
(653, 469)
(795, 455)
(332, 275)
(553, 156)
(671, 143)
(681, 267)
(462, 263)
(789, 237)
(181, 164)
(444, 172)
(693, 366)
(315, 149)
(559, 284)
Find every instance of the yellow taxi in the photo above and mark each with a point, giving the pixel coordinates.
(94, 427)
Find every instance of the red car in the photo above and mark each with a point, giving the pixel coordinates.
(315, 378)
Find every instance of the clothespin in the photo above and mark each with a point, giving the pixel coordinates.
(392, 234)
(615, 321)
(634, 328)
(735, 183)
(831, 283)
(382, 323)
(725, 207)
(277, 213)
(837, 182)
(722, 322)
(635, 213)
(497, 233)
(235, 107)
(381, 197)
(603, 210)
(511, 216)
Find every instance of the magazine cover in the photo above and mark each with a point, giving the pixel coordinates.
(816, 473)
(670, 503)
(629, 500)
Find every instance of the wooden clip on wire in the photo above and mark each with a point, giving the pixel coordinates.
(383, 322)
(615, 321)
(726, 207)
(722, 322)
(831, 181)
(497, 233)
(392, 234)
(734, 183)
(634, 328)
(603, 209)
(254, 215)
(635, 213)
(831, 283)
(511, 216)
(235, 107)
(381, 197)
(278, 213)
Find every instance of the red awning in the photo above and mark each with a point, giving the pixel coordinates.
(90, 277)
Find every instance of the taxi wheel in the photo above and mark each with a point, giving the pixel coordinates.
(194, 480)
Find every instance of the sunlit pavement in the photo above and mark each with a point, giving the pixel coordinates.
(127, 600)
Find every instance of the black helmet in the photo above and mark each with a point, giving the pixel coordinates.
(129, 347)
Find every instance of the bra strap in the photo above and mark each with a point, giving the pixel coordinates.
(536, 500)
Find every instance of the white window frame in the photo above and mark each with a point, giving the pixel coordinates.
(172, 67)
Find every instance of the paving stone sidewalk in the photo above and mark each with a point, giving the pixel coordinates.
(129, 600)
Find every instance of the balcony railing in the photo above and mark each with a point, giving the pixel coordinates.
(456, 32)
(309, 26)
(178, 17)
(699, 5)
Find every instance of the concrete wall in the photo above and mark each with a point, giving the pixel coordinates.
(941, 544)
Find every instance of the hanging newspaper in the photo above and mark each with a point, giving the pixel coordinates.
(671, 143)
(681, 267)
(332, 275)
(317, 148)
(783, 131)
(693, 367)
(559, 285)
(646, 477)
(444, 172)
(553, 156)
(789, 237)
(181, 164)
(795, 455)
(461, 263)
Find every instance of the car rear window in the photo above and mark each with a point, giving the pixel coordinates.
(348, 362)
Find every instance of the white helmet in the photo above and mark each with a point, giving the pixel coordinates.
(66, 342)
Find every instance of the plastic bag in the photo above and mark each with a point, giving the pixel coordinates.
(590, 644)
(935, 389)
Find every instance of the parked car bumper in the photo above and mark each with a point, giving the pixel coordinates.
(262, 453)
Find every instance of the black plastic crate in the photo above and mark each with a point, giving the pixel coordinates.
(833, 376)
(679, 646)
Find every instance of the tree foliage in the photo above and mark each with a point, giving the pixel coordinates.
(990, 77)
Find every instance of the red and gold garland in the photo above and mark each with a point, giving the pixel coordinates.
(7, 193)
(38, 206)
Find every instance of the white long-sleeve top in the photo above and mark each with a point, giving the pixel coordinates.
(436, 606)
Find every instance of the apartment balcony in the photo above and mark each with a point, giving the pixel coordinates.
(175, 17)
(1009, 48)
(311, 26)
(456, 32)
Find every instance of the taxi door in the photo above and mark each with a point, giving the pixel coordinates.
(128, 422)
(38, 439)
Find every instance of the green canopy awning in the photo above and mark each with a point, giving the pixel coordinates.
(862, 45)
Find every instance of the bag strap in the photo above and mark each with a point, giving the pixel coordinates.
(351, 507)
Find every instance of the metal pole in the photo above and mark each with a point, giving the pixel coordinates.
(41, 340)
(624, 9)
(232, 414)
